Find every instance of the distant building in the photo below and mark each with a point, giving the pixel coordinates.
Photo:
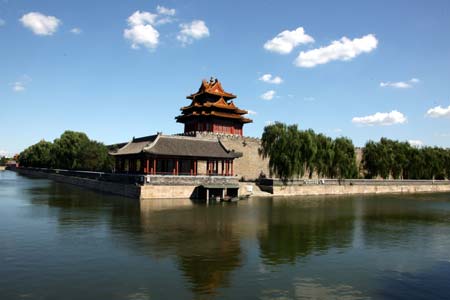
(212, 141)
(11, 164)
(174, 155)
(212, 110)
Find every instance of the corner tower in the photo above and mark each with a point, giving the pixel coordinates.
(212, 110)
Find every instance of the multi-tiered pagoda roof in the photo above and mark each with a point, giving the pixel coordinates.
(213, 110)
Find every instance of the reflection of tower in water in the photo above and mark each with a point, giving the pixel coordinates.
(201, 238)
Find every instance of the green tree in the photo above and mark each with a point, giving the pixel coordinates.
(308, 150)
(344, 162)
(324, 156)
(68, 150)
(37, 155)
(72, 150)
(282, 145)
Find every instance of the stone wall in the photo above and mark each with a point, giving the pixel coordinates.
(127, 190)
(251, 164)
(155, 187)
(356, 187)
(168, 192)
(348, 190)
(189, 180)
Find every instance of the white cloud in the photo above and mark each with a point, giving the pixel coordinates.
(18, 86)
(165, 11)
(4, 153)
(438, 112)
(251, 112)
(76, 30)
(40, 24)
(344, 50)
(337, 130)
(416, 143)
(142, 35)
(195, 30)
(2, 22)
(271, 79)
(142, 18)
(268, 123)
(165, 15)
(268, 95)
(384, 119)
(287, 40)
(400, 84)
(141, 31)
(309, 99)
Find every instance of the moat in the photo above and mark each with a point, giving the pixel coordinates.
(62, 242)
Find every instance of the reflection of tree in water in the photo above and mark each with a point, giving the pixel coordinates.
(81, 207)
(395, 220)
(299, 228)
(201, 239)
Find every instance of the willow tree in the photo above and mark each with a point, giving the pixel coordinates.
(292, 152)
(281, 144)
(323, 160)
(344, 160)
(308, 150)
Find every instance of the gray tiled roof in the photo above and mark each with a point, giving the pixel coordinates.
(135, 146)
(179, 146)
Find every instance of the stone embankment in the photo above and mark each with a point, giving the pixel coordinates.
(138, 186)
(127, 190)
(349, 187)
(171, 187)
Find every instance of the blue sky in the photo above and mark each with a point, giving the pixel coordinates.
(118, 69)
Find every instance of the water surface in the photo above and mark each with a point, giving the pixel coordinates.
(62, 242)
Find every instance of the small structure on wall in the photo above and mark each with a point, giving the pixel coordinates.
(174, 155)
(212, 110)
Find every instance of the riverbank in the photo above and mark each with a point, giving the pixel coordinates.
(185, 187)
(350, 187)
(143, 186)
(2, 168)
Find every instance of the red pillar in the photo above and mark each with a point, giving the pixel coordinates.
(231, 168)
(176, 167)
(154, 166)
(195, 167)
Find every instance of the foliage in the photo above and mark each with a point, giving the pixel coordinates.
(37, 155)
(72, 150)
(3, 160)
(293, 152)
(394, 159)
(344, 160)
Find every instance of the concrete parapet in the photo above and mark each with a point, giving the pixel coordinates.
(180, 180)
(347, 187)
